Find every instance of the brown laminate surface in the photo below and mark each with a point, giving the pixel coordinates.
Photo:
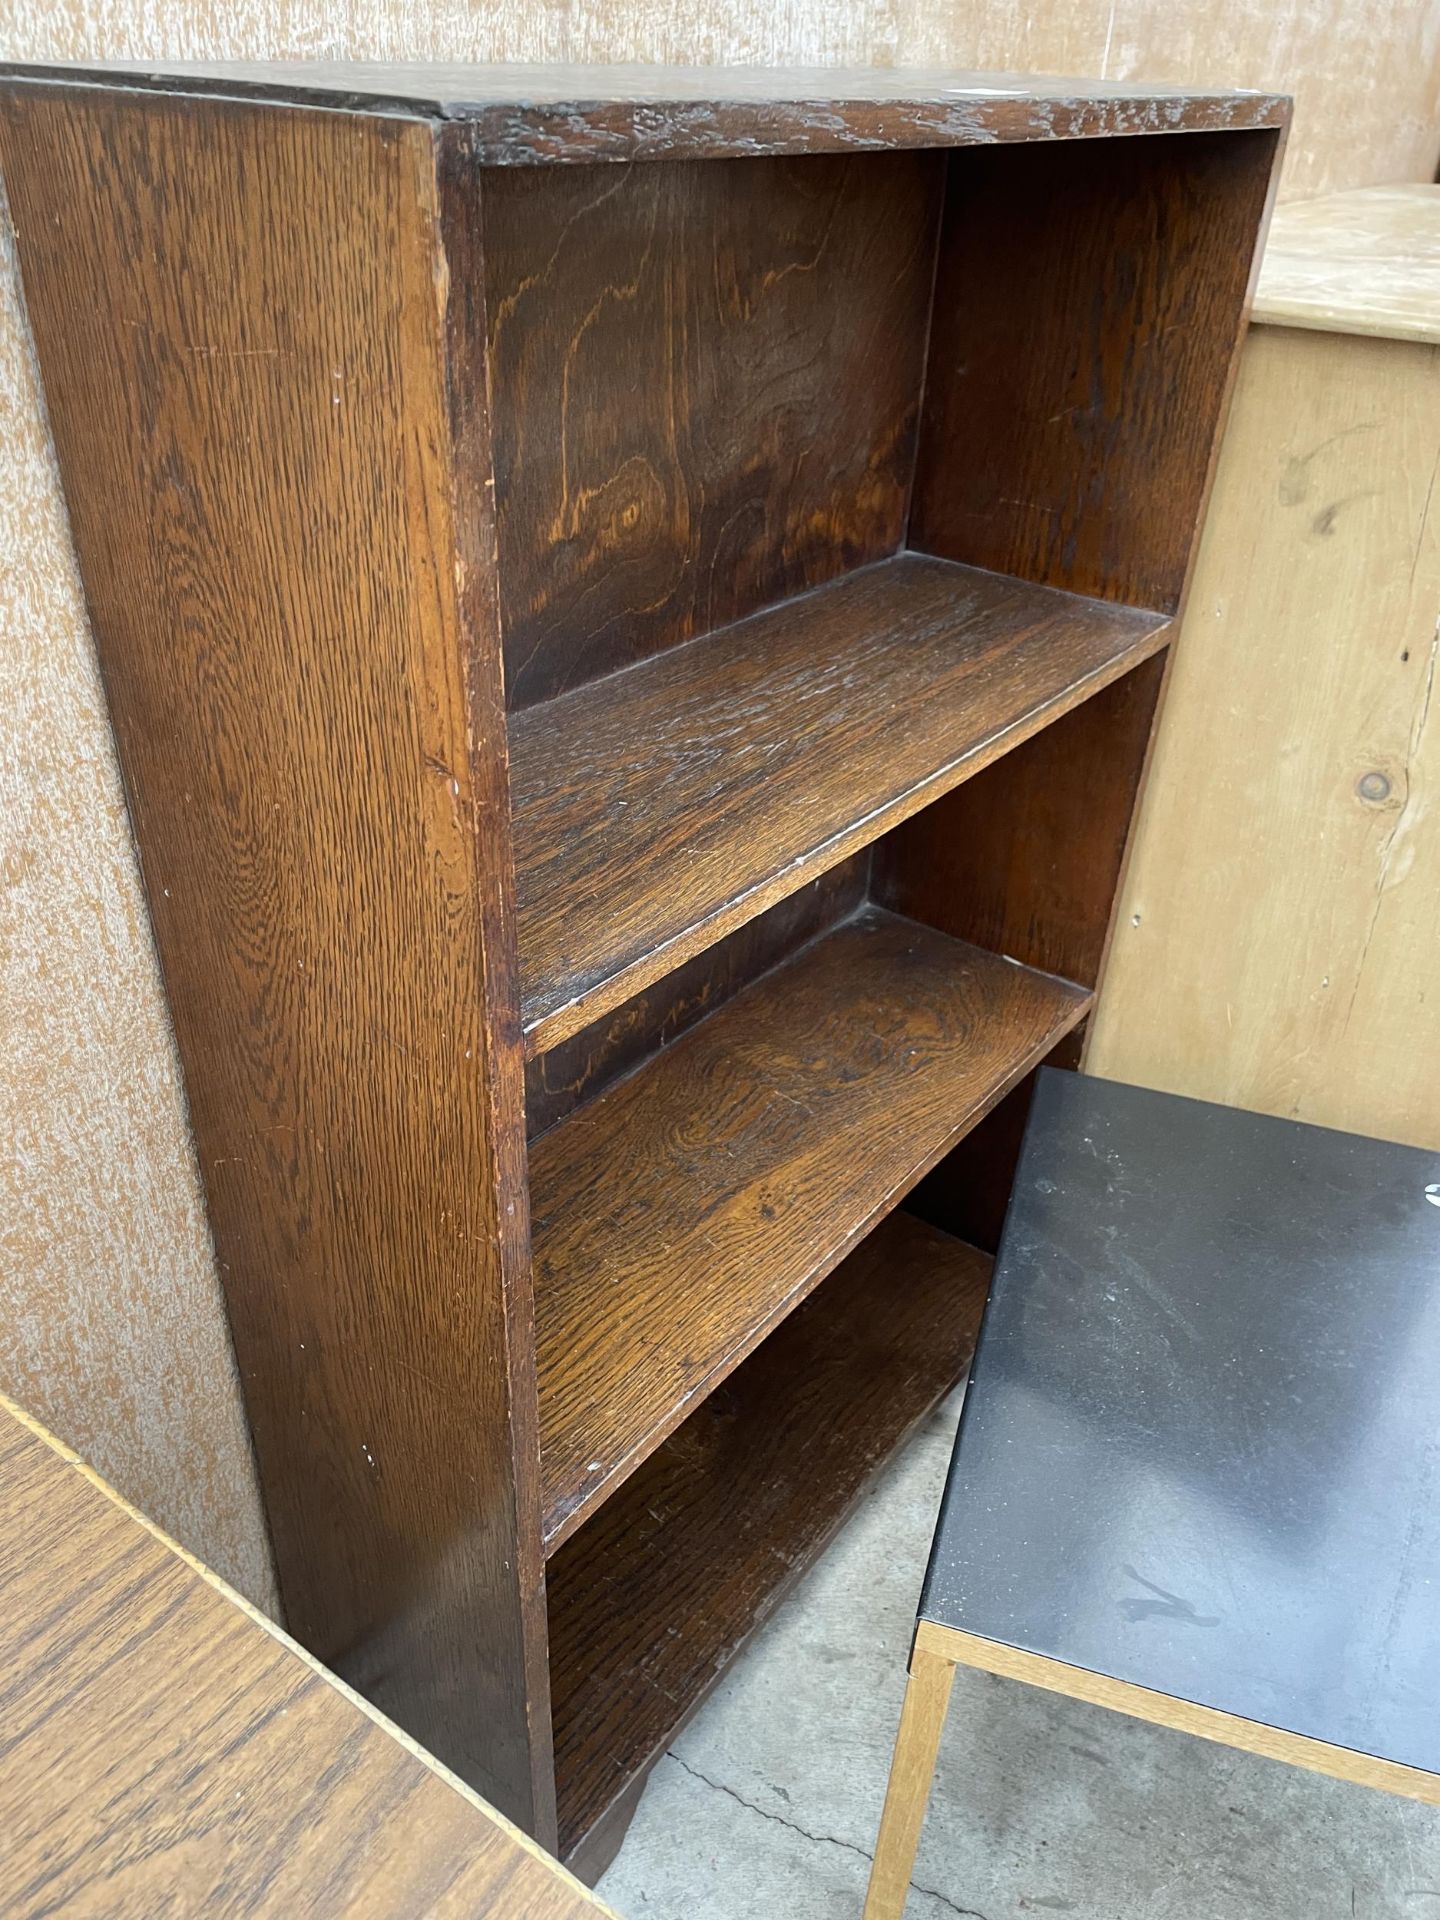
(726, 1515)
(679, 1216)
(659, 809)
(167, 1751)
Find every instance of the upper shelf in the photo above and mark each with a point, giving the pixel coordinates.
(660, 808)
(517, 115)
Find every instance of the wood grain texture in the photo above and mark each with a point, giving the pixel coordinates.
(112, 1322)
(1082, 458)
(922, 1719)
(1364, 262)
(574, 1071)
(109, 1310)
(1026, 858)
(666, 346)
(168, 1751)
(529, 116)
(1275, 943)
(726, 1516)
(319, 844)
(681, 1215)
(1164, 1710)
(661, 808)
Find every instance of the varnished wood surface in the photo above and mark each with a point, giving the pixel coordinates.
(655, 1595)
(922, 1720)
(1364, 262)
(666, 348)
(1088, 310)
(249, 406)
(661, 808)
(167, 1751)
(682, 1214)
(529, 115)
(576, 1069)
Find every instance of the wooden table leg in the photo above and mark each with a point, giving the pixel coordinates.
(926, 1698)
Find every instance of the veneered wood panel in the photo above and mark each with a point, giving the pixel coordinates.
(168, 1752)
(322, 857)
(1087, 308)
(1276, 943)
(668, 348)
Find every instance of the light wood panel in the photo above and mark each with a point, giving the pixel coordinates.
(1361, 262)
(112, 1317)
(1275, 946)
(167, 1751)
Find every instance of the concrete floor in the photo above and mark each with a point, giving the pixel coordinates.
(766, 1806)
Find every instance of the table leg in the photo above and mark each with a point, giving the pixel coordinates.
(911, 1771)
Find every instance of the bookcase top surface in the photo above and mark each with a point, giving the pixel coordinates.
(529, 115)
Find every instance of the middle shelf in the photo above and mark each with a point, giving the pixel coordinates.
(679, 1216)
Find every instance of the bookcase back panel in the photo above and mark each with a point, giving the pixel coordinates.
(1087, 308)
(706, 383)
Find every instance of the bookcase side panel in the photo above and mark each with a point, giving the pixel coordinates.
(240, 317)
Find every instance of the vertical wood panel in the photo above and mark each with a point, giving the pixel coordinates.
(1276, 944)
(212, 317)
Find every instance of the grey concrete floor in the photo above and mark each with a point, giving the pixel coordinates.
(766, 1806)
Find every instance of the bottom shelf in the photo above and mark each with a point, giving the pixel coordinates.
(651, 1599)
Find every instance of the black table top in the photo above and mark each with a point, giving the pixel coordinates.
(1201, 1447)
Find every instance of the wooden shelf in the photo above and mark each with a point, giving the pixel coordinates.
(659, 808)
(650, 1601)
(678, 1217)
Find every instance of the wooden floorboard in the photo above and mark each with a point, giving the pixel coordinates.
(678, 1217)
(660, 808)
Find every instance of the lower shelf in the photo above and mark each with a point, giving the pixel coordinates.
(656, 1593)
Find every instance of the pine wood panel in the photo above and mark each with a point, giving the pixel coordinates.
(167, 1751)
(666, 345)
(1088, 308)
(726, 1516)
(1367, 261)
(682, 1214)
(298, 685)
(1275, 942)
(661, 808)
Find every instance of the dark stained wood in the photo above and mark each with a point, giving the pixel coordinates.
(1026, 858)
(577, 1069)
(248, 401)
(681, 1215)
(545, 115)
(167, 1751)
(667, 344)
(967, 1193)
(1087, 313)
(655, 1595)
(659, 809)
(359, 412)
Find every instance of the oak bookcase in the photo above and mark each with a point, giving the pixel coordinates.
(632, 604)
